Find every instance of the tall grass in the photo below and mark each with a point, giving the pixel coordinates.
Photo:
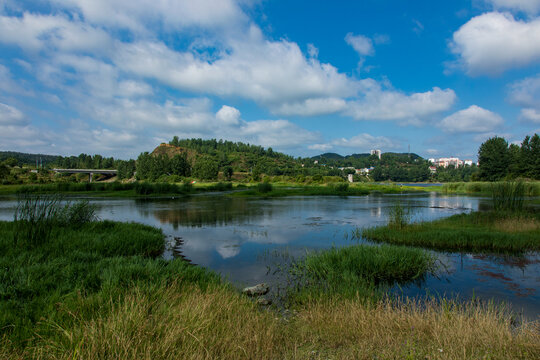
(398, 216)
(84, 269)
(508, 195)
(34, 218)
(176, 322)
(37, 215)
(359, 269)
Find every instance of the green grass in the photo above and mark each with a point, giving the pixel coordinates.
(497, 232)
(360, 270)
(80, 269)
(531, 188)
(336, 189)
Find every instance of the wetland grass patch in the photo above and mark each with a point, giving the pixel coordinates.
(497, 232)
(357, 270)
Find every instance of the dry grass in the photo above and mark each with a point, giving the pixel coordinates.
(352, 330)
(180, 323)
(172, 324)
(517, 225)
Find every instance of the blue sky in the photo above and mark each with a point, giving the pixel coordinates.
(117, 77)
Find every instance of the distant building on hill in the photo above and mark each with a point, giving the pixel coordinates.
(376, 152)
(454, 161)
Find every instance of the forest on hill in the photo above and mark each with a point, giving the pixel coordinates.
(181, 160)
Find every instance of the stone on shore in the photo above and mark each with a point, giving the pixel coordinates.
(257, 290)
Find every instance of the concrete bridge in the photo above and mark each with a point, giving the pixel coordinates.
(91, 172)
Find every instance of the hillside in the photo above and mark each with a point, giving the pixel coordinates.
(28, 159)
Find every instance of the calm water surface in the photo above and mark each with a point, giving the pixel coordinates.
(238, 238)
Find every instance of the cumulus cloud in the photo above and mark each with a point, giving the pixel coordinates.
(382, 104)
(311, 107)
(474, 119)
(10, 115)
(361, 44)
(36, 32)
(174, 14)
(526, 94)
(495, 42)
(528, 6)
(228, 115)
(532, 115)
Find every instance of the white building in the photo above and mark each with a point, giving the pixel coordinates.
(454, 161)
(376, 152)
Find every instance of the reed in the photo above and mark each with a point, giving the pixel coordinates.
(508, 195)
(357, 270)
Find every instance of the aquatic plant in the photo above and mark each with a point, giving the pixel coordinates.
(508, 195)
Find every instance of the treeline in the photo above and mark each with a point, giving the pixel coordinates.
(19, 158)
(499, 160)
(214, 147)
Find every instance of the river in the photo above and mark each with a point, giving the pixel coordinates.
(241, 238)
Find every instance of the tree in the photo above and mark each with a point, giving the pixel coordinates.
(4, 171)
(180, 166)
(228, 172)
(494, 159)
(205, 169)
(534, 157)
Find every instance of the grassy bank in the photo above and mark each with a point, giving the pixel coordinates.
(145, 189)
(338, 189)
(115, 189)
(477, 231)
(532, 188)
(79, 272)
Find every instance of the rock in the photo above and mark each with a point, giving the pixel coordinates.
(259, 289)
(264, 301)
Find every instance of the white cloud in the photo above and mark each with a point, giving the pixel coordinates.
(495, 42)
(381, 104)
(264, 71)
(532, 115)
(312, 107)
(361, 44)
(470, 120)
(174, 14)
(11, 116)
(228, 115)
(312, 51)
(526, 92)
(36, 32)
(364, 142)
(528, 6)
(320, 147)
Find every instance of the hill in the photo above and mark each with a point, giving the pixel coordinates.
(28, 159)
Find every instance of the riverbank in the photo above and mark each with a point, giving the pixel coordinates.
(495, 232)
(98, 290)
(145, 190)
(531, 188)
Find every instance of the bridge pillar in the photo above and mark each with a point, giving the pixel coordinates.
(91, 174)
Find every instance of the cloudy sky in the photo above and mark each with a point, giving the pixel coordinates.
(117, 77)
